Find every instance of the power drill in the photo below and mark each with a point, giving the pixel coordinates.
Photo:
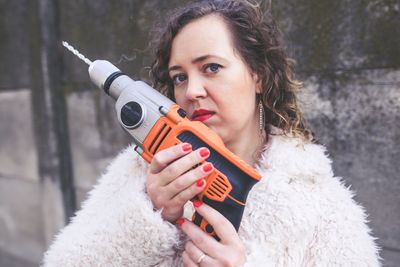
(156, 123)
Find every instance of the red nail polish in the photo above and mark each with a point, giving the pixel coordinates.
(200, 183)
(208, 167)
(180, 221)
(187, 147)
(197, 203)
(204, 152)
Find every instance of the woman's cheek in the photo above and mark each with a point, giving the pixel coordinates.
(180, 100)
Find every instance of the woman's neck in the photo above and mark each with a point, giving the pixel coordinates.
(248, 147)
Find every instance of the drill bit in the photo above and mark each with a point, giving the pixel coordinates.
(76, 52)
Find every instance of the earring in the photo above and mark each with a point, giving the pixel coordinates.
(262, 120)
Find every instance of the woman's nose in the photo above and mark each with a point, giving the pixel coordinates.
(195, 88)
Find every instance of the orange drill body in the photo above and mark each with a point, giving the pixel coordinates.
(166, 133)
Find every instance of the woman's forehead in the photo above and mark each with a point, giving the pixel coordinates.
(204, 36)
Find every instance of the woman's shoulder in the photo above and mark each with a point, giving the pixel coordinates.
(300, 173)
(298, 192)
(126, 164)
(302, 169)
(125, 173)
(126, 160)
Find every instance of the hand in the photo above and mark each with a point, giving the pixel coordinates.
(204, 250)
(172, 179)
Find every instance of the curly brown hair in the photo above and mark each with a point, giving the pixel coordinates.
(258, 40)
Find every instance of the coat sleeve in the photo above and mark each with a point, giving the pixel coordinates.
(117, 225)
(300, 214)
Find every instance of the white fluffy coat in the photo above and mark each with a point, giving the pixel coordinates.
(299, 214)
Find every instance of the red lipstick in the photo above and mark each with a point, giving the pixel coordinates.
(202, 114)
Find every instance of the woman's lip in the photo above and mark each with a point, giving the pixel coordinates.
(201, 112)
(203, 117)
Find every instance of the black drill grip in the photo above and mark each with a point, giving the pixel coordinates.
(232, 206)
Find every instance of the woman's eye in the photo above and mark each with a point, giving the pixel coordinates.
(179, 78)
(212, 68)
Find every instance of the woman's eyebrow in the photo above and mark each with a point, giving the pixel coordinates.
(202, 58)
(175, 67)
(197, 60)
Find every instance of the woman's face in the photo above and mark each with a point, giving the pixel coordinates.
(211, 81)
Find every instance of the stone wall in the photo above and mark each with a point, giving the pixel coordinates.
(58, 132)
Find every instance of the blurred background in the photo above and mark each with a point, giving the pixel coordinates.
(58, 132)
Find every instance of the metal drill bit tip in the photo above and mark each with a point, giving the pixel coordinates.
(76, 52)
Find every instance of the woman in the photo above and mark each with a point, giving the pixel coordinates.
(223, 62)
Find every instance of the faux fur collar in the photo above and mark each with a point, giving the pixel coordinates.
(295, 157)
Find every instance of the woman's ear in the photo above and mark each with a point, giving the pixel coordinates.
(258, 87)
(258, 83)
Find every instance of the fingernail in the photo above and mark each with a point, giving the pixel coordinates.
(197, 203)
(204, 152)
(180, 221)
(208, 167)
(200, 183)
(187, 147)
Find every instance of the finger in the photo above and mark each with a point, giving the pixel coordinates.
(190, 184)
(184, 164)
(196, 255)
(164, 157)
(202, 240)
(223, 228)
(187, 261)
(183, 197)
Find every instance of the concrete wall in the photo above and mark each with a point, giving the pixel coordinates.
(347, 53)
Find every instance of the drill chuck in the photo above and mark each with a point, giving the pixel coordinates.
(103, 73)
